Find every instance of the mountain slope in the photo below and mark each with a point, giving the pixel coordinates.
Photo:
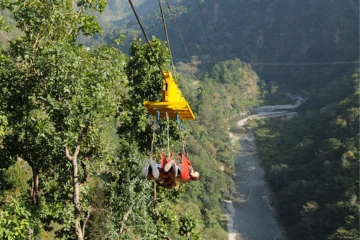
(265, 31)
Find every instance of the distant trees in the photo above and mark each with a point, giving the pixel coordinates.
(312, 163)
(261, 32)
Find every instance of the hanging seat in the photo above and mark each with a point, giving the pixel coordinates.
(172, 103)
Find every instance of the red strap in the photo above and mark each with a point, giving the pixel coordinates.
(185, 167)
(163, 160)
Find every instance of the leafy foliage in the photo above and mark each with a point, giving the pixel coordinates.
(16, 219)
(59, 96)
(313, 167)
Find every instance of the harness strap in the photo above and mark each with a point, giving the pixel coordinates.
(163, 160)
(168, 134)
(185, 167)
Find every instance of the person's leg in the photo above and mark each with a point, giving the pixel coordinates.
(167, 166)
(173, 167)
(150, 166)
(145, 172)
(179, 167)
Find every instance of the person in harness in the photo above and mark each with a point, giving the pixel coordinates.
(155, 171)
(185, 171)
(168, 173)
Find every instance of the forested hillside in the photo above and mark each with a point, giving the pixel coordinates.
(283, 40)
(312, 163)
(297, 44)
(74, 133)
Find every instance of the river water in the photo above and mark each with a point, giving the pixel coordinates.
(250, 215)
(253, 217)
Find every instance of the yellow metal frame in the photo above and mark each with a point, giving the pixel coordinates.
(172, 102)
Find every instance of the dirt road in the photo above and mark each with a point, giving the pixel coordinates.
(244, 121)
(275, 107)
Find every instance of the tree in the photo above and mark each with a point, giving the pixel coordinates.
(60, 97)
(313, 168)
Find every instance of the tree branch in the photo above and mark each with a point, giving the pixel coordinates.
(36, 40)
(124, 220)
(67, 154)
(77, 15)
(155, 201)
(30, 233)
(25, 27)
(85, 221)
(80, 139)
(86, 175)
(77, 150)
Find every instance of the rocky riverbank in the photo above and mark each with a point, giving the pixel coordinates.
(250, 215)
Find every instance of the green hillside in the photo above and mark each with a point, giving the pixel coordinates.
(312, 163)
(283, 40)
(74, 134)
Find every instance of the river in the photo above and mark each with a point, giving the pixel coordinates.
(250, 215)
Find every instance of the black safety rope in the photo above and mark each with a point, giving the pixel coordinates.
(153, 128)
(168, 133)
(182, 138)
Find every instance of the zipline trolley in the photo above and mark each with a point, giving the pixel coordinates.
(172, 104)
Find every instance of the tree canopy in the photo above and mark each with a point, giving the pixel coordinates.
(312, 163)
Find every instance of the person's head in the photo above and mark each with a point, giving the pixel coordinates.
(195, 175)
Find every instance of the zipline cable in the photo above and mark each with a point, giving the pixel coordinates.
(206, 32)
(178, 30)
(251, 184)
(166, 35)
(254, 173)
(157, 62)
(147, 40)
(198, 138)
(256, 160)
(315, 71)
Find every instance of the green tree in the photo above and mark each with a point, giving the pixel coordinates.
(313, 168)
(60, 97)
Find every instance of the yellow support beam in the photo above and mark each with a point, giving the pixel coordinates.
(172, 102)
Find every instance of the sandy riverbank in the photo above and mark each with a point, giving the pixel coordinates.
(229, 210)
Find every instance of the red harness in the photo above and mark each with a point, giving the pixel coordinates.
(185, 168)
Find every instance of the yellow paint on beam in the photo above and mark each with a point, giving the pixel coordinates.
(172, 101)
